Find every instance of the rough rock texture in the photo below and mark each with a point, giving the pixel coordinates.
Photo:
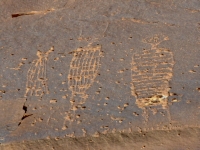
(105, 71)
(11, 115)
(184, 138)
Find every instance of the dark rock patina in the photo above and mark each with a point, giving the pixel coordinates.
(81, 69)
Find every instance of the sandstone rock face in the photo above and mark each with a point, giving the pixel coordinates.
(99, 72)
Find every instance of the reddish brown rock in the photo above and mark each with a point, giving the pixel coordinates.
(101, 71)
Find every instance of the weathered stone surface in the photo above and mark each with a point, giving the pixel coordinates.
(11, 115)
(182, 138)
(87, 68)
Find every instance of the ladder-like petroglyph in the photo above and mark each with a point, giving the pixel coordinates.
(151, 73)
(36, 84)
(84, 68)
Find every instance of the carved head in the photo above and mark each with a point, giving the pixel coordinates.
(39, 53)
(156, 39)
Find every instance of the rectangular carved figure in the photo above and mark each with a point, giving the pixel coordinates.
(151, 73)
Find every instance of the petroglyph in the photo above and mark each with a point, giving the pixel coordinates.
(37, 75)
(151, 73)
(84, 69)
(19, 66)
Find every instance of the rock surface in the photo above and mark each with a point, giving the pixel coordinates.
(104, 71)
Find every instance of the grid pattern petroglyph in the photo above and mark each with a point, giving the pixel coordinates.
(37, 75)
(151, 73)
(84, 68)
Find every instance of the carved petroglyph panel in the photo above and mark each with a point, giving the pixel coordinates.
(37, 75)
(151, 73)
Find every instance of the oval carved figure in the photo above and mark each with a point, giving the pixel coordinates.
(84, 68)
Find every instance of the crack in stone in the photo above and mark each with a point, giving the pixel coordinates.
(31, 13)
(25, 115)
